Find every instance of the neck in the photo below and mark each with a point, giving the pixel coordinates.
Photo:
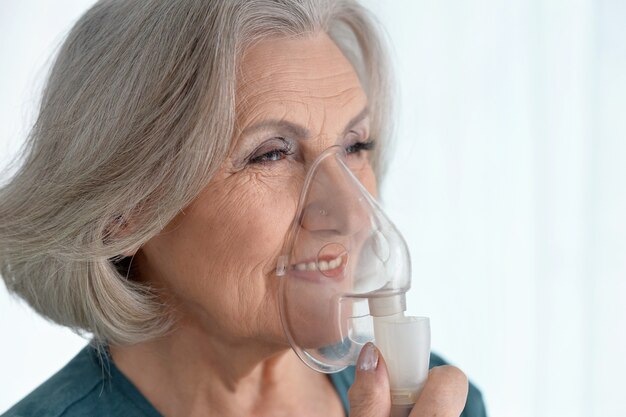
(191, 373)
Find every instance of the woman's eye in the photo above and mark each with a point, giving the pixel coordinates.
(274, 153)
(357, 147)
(271, 156)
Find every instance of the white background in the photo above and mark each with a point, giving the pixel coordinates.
(508, 184)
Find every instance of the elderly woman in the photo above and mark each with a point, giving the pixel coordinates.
(159, 183)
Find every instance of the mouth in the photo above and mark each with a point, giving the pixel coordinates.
(329, 266)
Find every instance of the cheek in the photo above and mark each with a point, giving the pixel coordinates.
(241, 226)
(219, 255)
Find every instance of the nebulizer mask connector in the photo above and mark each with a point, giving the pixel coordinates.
(344, 274)
(405, 344)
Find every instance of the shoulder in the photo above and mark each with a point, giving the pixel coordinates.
(80, 388)
(59, 393)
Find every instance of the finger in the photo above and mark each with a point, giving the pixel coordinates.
(369, 394)
(444, 394)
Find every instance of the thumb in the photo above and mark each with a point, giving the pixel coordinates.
(369, 395)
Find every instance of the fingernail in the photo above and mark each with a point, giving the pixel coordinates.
(368, 360)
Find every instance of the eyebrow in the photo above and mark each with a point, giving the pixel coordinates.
(296, 130)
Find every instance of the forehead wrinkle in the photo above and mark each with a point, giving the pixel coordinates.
(289, 74)
(273, 75)
(309, 75)
(294, 67)
(321, 90)
(261, 98)
(292, 58)
(258, 112)
(337, 95)
(295, 61)
(251, 103)
(311, 85)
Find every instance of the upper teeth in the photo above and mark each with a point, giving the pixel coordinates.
(321, 265)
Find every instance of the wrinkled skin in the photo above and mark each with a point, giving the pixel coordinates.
(216, 261)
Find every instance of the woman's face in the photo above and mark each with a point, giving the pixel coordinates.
(216, 261)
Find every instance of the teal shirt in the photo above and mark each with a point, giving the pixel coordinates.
(91, 385)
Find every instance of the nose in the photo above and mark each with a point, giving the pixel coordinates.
(335, 199)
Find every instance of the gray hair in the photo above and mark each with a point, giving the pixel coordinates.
(137, 115)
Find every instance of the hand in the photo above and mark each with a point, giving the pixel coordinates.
(444, 394)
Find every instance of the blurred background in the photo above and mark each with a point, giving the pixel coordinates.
(508, 184)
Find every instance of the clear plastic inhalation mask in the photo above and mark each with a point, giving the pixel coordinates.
(344, 273)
